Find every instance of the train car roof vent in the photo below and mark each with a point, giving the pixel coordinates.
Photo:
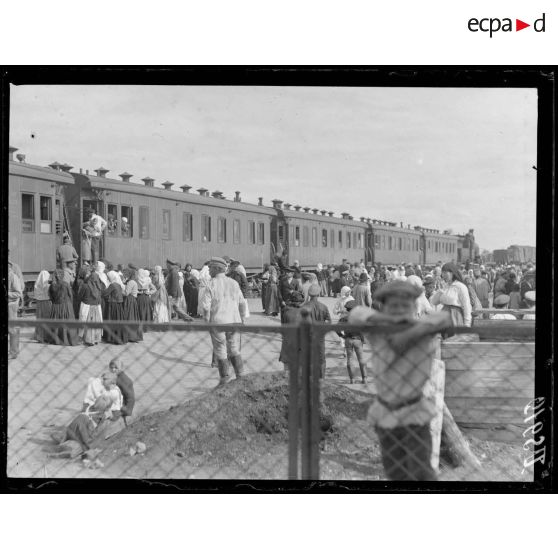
(350, 217)
(148, 181)
(65, 167)
(12, 151)
(186, 189)
(330, 213)
(55, 165)
(101, 172)
(287, 205)
(306, 209)
(363, 219)
(237, 196)
(323, 212)
(125, 176)
(277, 204)
(168, 185)
(20, 157)
(297, 207)
(260, 201)
(315, 211)
(344, 215)
(203, 191)
(217, 194)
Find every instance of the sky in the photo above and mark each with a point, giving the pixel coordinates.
(436, 157)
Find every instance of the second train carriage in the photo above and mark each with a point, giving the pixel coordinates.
(147, 225)
(312, 236)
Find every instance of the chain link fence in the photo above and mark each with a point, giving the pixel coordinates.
(450, 407)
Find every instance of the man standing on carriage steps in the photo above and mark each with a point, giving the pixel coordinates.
(223, 303)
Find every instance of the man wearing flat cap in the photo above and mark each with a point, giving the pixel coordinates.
(287, 285)
(319, 314)
(500, 303)
(172, 284)
(223, 303)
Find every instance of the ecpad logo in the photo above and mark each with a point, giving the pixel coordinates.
(493, 25)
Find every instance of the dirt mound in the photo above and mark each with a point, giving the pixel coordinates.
(238, 431)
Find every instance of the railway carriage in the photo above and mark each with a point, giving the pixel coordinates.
(35, 215)
(317, 236)
(439, 247)
(147, 225)
(395, 244)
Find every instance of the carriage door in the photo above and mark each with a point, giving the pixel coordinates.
(97, 207)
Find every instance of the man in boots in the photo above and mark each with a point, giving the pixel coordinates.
(15, 294)
(353, 342)
(223, 303)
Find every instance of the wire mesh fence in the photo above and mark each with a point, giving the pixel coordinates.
(343, 403)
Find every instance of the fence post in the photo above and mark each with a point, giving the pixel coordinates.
(314, 404)
(294, 406)
(305, 407)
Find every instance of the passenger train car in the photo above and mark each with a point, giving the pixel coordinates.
(147, 224)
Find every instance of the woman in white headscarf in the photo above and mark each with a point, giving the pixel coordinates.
(160, 298)
(43, 303)
(205, 278)
(145, 290)
(422, 304)
(114, 310)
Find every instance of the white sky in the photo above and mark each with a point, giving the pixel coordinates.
(440, 158)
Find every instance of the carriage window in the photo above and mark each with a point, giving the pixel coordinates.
(187, 228)
(340, 239)
(144, 221)
(221, 229)
(126, 221)
(332, 238)
(314, 236)
(399, 244)
(261, 233)
(354, 240)
(236, 231)
(324, 238)
(252, 232)
(390, 243)
(360, 241)
(281, 233)
(45, 207)
(206, 228)
(348, 239)
(112, 219)
(28, 212)
(305, 236)
(166, 224)
(297, 236)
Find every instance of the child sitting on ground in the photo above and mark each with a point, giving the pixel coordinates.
(402, 365)
(84, 430)
(353, 342)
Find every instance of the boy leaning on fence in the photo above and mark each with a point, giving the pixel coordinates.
(402, 363)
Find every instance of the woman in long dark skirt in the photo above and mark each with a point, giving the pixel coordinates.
(62, 309)
(114, 305)
(272, 306)
(191, 290)
(131, 311)
(145, 290)
(265, 283)
(82, 274)
(43, 304)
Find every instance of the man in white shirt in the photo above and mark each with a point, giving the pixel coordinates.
(98, 224)
(223, 303)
